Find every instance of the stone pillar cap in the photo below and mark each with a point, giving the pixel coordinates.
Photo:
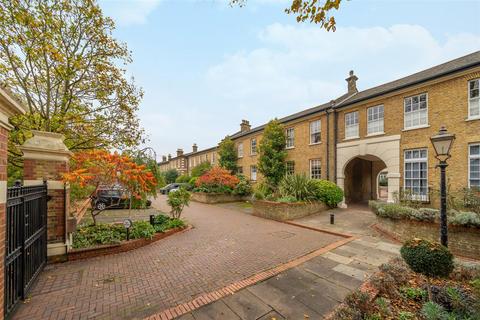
(46, 146)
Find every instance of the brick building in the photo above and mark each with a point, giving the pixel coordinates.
(385, 130)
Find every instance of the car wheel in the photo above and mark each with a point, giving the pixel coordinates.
(101, 206)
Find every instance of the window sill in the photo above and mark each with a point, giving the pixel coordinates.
(415, 128)
(315, 144)
(240, 157)
(473, 118)
(351, 138)
(253, 155)
(288, 148)
(375, 134)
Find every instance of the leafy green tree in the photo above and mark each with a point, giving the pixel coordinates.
(227, 154)
(177, 200)
(272, 154)
(313, 11)
(199, 170)
(61, 59)
(171, 176)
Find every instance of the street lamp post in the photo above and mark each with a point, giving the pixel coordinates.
(442, 143)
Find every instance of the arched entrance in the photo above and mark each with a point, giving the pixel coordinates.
(359, 164)
(361, 178)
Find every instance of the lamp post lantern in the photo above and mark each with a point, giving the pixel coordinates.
(442, 143)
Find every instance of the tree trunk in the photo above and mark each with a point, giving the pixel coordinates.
(429, 290)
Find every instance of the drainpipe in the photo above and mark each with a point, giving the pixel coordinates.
(328, 111)
(335, 138)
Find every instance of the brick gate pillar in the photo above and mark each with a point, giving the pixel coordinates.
(46, 158)
(8, 107)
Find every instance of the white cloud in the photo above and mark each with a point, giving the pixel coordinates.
(298, 66)
(129, 12)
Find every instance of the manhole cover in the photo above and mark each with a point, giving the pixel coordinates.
(283, 234)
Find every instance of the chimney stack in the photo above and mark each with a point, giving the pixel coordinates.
(164, 158)
(195, 147)
(245, 126)
(352, 83)
(169, 157)
(179, 152)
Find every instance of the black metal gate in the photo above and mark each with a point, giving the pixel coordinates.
(26, 240)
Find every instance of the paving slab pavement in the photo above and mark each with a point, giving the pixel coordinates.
(313, 289)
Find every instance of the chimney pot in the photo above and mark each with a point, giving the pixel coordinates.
(245, 126)
(179, 152)
(195, 147)
(352, 82)
(169, 157)
(164, 158)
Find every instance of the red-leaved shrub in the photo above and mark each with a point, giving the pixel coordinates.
(217, 177)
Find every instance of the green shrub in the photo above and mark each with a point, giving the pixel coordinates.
(433, 311)
(185, 178)
(298, 186)
(262, 191)
(466, 219)
(243, 188)
(161, 219)
(329, 193)
(142, 229)
(170, 176)
(417, 294)
(192, 181)
(177, 200)
(88, 236)
(395, 211)
(78, 192)
(199, 170)
(425, 214)
(374, 205)
(428, 258)
(287, 199)
(405, 315)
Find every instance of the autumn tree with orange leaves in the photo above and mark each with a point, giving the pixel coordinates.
(101, 168)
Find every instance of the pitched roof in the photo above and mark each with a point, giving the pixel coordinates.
(294, 116)
(456, 65)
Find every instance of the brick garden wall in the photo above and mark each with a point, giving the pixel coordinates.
(461, 241)
(286, 211)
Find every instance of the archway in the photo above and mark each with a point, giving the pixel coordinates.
(361, 178)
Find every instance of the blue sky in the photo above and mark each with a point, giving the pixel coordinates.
(205, 66)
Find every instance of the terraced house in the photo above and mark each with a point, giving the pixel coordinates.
(385, 130)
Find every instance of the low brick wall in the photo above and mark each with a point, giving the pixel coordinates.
(204, 197)
(86, 253)
(286, 211)
(461, 240)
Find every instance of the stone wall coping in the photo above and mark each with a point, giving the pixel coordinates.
(46, 146)
(434, 223)
(298, 203)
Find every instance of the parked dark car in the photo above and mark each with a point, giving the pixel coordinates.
(174, 187)
(112, 198)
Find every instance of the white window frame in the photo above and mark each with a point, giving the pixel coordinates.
(475, 100)
(375, 126)
(290, 138)
(253, 173)
(213, 158)
(419, 197)
(287, 167)
(349, 126)
(315, 128)
(240, 150)
(316, 175)
(253, 143)
(470, 158)
(417, 112)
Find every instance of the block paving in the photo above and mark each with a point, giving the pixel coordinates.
(224, 247)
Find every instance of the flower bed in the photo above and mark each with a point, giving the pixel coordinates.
(283, 211)
(403, 223)
(205, 197)
(123, 246)
(104, 239)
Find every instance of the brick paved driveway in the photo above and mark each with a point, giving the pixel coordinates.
(225, 246)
